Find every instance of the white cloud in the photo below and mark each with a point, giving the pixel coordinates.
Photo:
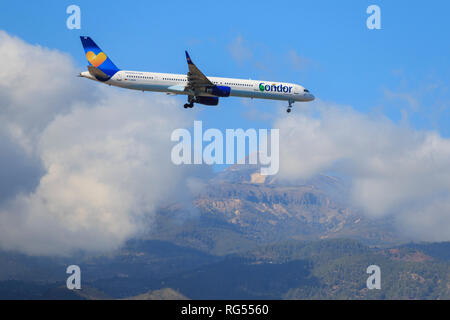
(409, 98)
(105, 155)
(95, 161)
(298, 62)
(239, 51)
(394, 169)
(35, 84)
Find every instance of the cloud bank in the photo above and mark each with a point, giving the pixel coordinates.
(98, 158)
(394, 169)
(83, 167)
(239, 51)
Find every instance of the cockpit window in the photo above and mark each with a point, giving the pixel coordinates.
(306, 90)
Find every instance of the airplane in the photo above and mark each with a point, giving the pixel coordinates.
(198, 87)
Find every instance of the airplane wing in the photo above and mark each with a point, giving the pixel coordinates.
(197, 81)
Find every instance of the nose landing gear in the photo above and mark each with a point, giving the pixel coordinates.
(291, 103)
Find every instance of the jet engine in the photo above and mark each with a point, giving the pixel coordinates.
(208, 101)
(219, 91)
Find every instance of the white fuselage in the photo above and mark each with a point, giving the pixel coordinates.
(176, 84)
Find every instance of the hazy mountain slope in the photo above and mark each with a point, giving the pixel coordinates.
(331, 269)
(326, 269)
(126, 272)
(247, 237)
(240, 209)
(163, 294)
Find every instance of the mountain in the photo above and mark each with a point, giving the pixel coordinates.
(239, 209)
(438, 251)
(326, 269)
(163, 294)
(323, 269)
(245, 236)
(138, 267)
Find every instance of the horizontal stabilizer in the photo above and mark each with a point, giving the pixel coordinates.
(98, 74)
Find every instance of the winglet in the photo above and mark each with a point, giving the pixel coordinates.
(188, 58)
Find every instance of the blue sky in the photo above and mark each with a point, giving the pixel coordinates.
(401, 71)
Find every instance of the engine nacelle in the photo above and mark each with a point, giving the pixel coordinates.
(208, 101)
(219, 91)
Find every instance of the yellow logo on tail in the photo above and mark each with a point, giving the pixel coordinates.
(96, 60)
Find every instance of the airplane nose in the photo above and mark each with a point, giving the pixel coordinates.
(310, 97)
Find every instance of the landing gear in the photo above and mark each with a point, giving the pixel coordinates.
(289, 109)
(190, 103)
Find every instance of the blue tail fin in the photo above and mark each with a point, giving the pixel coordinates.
(97, 58)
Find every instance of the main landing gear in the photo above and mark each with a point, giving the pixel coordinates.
(190, 103)
(291, 103)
